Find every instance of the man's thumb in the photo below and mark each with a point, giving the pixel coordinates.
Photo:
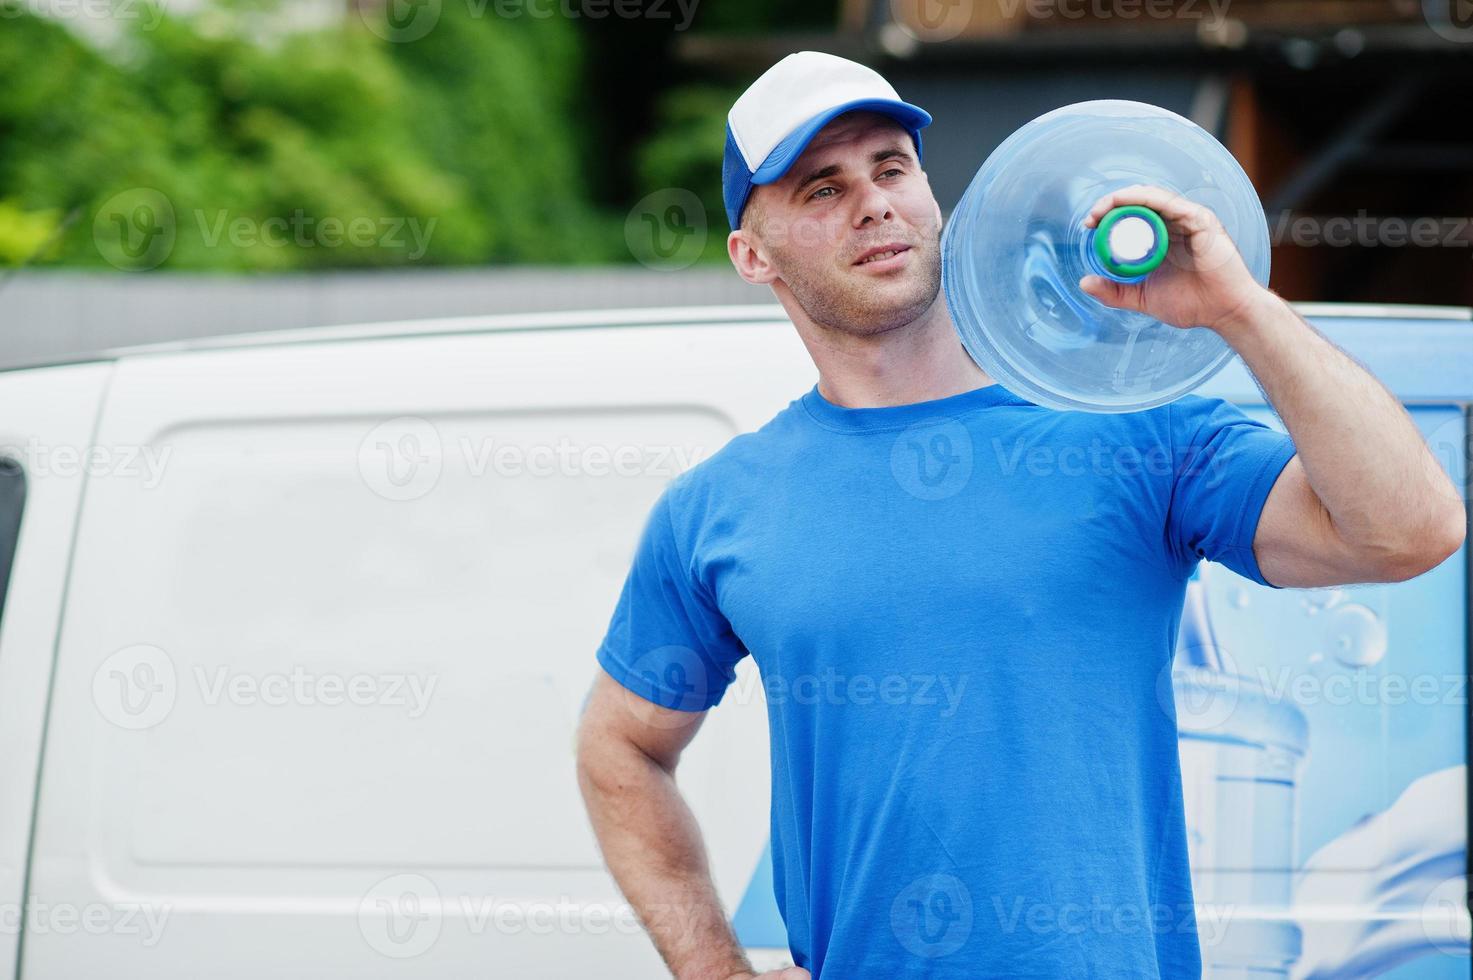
(1111, 293)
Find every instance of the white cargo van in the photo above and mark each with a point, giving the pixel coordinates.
(298, 626)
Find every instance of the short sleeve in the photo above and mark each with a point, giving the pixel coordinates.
(1225, 464)
(667, 641)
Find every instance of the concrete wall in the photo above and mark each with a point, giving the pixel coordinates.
(46, 314)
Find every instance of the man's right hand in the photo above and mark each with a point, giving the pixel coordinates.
(786, 973)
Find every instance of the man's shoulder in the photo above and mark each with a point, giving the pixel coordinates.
(746, 462)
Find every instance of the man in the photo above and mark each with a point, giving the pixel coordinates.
(908, 518)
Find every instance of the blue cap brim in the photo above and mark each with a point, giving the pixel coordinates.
(737, 183)
(792, 146)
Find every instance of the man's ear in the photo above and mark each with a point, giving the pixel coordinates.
(746, 254)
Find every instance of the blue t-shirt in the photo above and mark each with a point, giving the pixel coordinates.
(963, 612)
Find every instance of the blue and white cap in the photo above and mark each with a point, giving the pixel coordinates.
(771, 124)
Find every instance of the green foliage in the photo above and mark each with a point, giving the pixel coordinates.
(24, 234)
(686, 153)
(195, 147)
(499, 109)
(210, 142)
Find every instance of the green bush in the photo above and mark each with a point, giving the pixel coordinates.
(25, 235)
(189, 146)
(686, 153)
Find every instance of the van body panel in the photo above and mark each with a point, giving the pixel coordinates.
(47, 417)
(324, 647)
(442, 522)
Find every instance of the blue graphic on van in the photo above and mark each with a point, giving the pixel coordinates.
(758, 923)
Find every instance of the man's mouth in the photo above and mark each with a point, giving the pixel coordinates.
(881, 253)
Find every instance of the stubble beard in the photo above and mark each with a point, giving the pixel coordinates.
(865, 308)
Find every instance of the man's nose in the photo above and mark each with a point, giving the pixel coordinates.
(872, 206)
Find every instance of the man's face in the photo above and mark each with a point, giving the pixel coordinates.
(856, 190)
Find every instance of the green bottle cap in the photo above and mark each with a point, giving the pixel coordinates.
(1130, 241)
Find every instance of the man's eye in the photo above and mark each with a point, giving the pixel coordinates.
(892, 170)
(815, 194)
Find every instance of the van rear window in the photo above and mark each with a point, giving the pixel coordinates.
(12, 502)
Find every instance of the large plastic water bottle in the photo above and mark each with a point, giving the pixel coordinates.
(1015, 248)
(1242, 752)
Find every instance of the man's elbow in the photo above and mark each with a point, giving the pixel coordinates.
(1422, 552)
(598, 769)
(591, 748)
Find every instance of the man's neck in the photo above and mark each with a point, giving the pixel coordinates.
(920, 362)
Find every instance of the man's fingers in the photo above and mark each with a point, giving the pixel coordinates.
(1173, 208)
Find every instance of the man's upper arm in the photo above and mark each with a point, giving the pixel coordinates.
(1297, 545)
(615, 715)
(1226, 467)
(669, 653)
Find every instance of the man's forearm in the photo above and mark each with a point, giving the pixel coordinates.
(652, 844)
(1362, 454)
